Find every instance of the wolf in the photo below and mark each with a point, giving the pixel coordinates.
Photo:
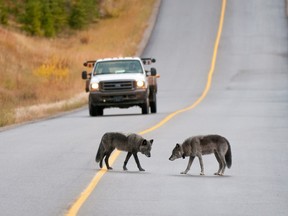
(202, 145)
(131, 143)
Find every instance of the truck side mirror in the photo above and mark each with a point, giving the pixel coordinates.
(84, 75)
(153, 71)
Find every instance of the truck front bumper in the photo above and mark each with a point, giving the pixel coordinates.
(119, 99)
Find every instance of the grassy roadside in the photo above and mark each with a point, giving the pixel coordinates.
(38, 75)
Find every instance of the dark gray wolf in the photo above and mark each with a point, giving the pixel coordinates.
(131, 143)
(202, 145)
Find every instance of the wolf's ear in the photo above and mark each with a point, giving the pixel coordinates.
(151, 141)
(177, 145)
(144, 142)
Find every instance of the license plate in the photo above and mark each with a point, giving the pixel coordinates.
(118, 98)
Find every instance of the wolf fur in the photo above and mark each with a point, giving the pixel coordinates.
(131, 143)
(202, 145)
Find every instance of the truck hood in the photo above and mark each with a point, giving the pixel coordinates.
(115, 77)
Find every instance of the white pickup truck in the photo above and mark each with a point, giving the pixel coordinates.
(121, 82)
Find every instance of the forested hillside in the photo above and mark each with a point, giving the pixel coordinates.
(51, 17)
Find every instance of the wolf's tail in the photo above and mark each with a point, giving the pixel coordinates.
(100, 152)
(228, 156)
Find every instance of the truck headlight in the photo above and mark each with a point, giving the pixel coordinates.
(94, 86)
(140, 83)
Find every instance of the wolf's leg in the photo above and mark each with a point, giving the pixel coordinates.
(189, 165)
(126, 160)
(137, 161)
(223, 164)
(107, 160)
(220, 163)
(201, 165)
(101, 161)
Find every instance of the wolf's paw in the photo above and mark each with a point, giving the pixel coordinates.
(125, 169)
(109, 168)
(183, 172)
(219, 174)
(202, 173)
(141, 169)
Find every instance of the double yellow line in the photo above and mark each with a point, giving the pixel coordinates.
(75, 207)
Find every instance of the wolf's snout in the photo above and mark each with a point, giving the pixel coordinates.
(171, 158)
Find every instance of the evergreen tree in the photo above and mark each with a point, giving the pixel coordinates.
(92, 9)
(32, 17)
(48, 20)
(83, 12)
(60, 14)
(3, 13)
(78, 15)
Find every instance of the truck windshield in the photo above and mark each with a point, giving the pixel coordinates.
(118, 67)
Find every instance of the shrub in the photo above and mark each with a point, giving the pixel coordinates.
(7, 115)
(53, 71)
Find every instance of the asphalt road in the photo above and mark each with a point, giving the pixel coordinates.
(46, 165)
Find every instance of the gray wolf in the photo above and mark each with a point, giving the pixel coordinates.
(131, 143)
(203, 145)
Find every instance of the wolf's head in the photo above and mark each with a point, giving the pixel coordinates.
(145, 147)
(177, 152)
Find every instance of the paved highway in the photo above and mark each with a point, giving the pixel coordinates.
(47, 166)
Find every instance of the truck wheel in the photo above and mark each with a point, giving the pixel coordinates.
(95, 110)
(92, 110)
(153, 104)
(145, 107)
(99, 111)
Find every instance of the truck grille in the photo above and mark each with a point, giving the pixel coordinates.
(117, 85)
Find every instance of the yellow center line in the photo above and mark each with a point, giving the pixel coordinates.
(75, 207)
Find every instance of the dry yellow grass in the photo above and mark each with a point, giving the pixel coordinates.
(38, 70)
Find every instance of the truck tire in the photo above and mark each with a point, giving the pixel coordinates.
(145, 107)
(99, 111)
(153, 104)
(95, 110)
(92, 110)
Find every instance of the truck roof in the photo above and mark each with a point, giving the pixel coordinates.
(145, 61)
(119, 58)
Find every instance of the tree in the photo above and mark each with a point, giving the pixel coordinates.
(60, 14)
(3, 13)
(32, 17)
(78, 15)
(47, 23)
(83, 12)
